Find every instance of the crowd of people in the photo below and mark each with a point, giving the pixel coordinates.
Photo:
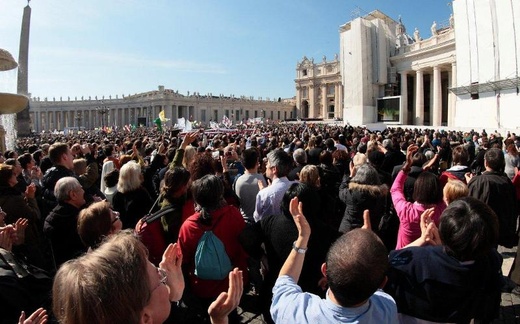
(323, 223)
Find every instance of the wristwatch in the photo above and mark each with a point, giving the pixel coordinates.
(297, 249)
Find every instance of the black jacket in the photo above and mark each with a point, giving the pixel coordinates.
(358, 197)
(49, 182)
(498, 192)
(132, 206)
(427, 283)
(61, 229)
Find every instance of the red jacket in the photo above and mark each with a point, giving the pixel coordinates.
(230, 224)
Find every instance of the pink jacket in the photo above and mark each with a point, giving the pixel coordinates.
(410, 213)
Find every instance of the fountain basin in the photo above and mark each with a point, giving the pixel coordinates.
(7, 61)
(12, 103)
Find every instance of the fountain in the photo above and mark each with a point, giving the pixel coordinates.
(10, 104)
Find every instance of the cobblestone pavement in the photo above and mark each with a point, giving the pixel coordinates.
(509, 307)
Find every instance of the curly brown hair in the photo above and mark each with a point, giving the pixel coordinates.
(202, 165)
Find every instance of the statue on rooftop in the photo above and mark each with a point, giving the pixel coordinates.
(433, 29)
(416, 35)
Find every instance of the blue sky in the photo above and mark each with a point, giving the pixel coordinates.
(109, 47)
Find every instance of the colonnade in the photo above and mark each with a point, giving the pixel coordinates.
(441, 104)
(59, 115)
(319, 103)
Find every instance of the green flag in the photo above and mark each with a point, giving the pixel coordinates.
(158, 122)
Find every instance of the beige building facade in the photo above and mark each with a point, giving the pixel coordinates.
(462, 73)
(143, 108)
(319, 89)
(405, 79)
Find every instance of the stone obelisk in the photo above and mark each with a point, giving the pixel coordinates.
(23, 120)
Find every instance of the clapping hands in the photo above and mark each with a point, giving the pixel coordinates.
(226, 302)
(429, 232)
(172, 263)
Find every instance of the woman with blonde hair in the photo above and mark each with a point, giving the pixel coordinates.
(310, 175)
(454, 189)
(131, 200)
(189, 154)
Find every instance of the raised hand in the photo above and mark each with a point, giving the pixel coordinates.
(261, 184)
(410, 151)
(296, 210)
(226, 302)
(6, 239)
(188, 139)
(30, 191)
(38, 317)
(429, 232)
(19, 227)
(366, 220)
(172, 262)
(223, 162)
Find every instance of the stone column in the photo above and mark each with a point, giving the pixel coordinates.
(298, 101)
(122, 118)
(323, 101)
(312, 102)
(340, 99)
(337, 100)
(419, 99)
(404, 98)
(437, 97)
(452, 98)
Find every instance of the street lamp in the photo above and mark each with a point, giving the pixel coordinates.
(103, 110)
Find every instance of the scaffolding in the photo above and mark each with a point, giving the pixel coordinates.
(490, 86)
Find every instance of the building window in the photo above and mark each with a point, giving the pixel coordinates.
(272, 115)
(256, 113)
(227, 113)
(215, 115)
(304, 72)
(330, 90)
(304, 93)
(330, 112)
(247, 114)
(203, 115)
(278, 114)
(237, 115)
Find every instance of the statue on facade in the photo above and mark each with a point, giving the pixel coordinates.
(336, 57)
(324, 59)
(399, 28)
(452, 21)
(433, 28)
(416, 35)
